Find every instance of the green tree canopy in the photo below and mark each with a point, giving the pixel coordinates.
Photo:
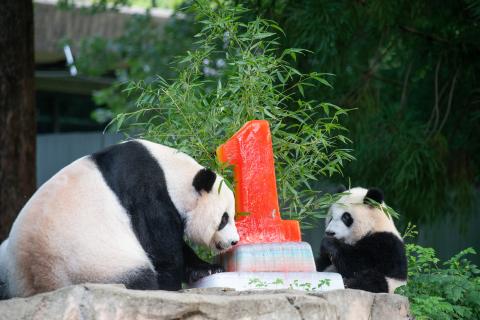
(409, 69)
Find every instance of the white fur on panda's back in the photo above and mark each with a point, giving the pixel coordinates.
(50, 246)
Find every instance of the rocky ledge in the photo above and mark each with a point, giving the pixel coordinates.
(94, 301)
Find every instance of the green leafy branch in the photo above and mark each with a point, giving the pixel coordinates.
(237, 73)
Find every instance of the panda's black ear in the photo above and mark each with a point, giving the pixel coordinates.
(204, 180)
(374, 194)
(341, 188)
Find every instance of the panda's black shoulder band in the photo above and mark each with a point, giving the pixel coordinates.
(373, 194)
(204, 180)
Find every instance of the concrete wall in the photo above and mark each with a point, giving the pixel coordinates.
(55, 151)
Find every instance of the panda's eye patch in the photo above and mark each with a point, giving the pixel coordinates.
(224, 221)
(347, 219)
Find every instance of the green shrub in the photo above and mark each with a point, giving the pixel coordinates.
(448, 290)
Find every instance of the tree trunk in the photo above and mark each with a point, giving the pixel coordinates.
(17, 110)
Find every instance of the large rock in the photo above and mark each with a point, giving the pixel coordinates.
(94, 301)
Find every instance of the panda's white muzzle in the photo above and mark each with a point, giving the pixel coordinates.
(225, 238)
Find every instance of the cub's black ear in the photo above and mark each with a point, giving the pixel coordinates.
(374, 194)
(341, 188)
(204, 180)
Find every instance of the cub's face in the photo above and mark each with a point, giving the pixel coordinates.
(339, 223)
(211, 221)
(352, 217)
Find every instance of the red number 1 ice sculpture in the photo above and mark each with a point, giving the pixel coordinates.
(270, 249)
(251, 154)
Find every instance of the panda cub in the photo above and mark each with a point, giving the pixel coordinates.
(119, 216)
(363, 244)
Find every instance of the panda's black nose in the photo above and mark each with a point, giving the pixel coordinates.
(330, 233)
(234, 243)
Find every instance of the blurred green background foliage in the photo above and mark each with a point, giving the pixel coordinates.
(409, 69)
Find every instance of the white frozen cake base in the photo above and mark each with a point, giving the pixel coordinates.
(308, 281)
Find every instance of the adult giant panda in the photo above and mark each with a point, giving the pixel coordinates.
(363, 244)
(119, 216)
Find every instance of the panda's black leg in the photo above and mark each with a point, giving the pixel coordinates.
(196, 268)
(143, 279)
(191, 259)
(3, 291)
(147, 279)
(170, 281)
(367, 280)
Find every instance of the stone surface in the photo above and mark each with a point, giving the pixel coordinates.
(94, 301)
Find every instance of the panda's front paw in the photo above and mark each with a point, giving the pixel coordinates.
(194, 275)
(216, 269)
(349, 283)
(329, 246)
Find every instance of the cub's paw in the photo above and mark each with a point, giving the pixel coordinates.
(323, 262)
(199, 273)
(329, 246)
(350, 283)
